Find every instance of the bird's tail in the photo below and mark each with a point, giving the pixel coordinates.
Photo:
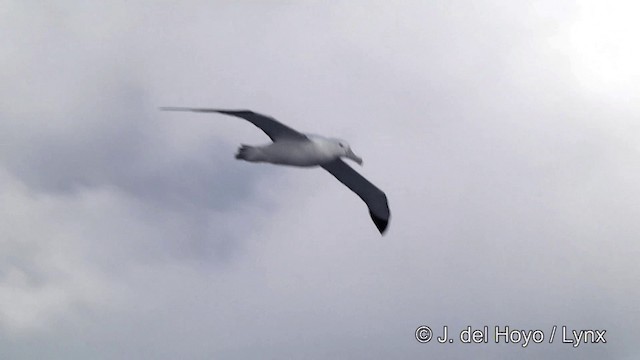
(247, 153)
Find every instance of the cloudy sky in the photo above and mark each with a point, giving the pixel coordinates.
(505, 135)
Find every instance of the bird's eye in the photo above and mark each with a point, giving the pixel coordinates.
(341, 145)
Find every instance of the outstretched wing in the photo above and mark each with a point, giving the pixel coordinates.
(272, 127)
(375, 199)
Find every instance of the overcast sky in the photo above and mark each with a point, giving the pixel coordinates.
(504, 133)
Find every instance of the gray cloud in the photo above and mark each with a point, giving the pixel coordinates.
(128, 232)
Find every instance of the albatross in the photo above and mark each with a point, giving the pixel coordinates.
(290, 147)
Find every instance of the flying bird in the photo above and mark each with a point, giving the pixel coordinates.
(290, 147)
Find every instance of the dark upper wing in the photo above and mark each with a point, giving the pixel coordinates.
(272, 127)
(375, 199)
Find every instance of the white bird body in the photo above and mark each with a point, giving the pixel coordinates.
(290, 147)
(314, 151)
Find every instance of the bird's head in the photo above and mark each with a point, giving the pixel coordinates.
(344, 150)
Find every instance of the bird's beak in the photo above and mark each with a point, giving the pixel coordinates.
(354, 157)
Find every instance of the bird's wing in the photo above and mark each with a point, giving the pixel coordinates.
(272, 127)
(375, 199)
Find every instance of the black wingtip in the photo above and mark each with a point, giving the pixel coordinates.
(206, 110)
(381, 223)
(235, 112)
